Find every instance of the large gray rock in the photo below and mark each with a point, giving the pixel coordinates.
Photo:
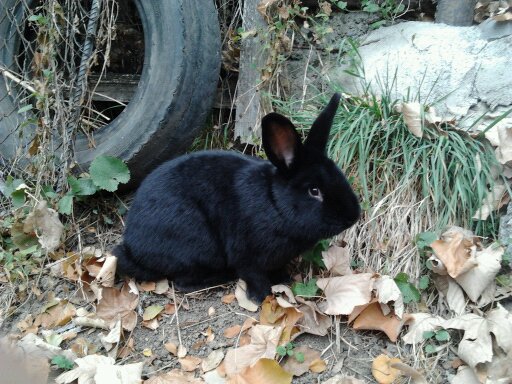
(469, 73)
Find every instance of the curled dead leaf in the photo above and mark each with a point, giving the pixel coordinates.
(456, 252)
(383, 371)
(372, 318)
(45, 223)
(344, 293)
(190, 363)
(317, 366)
(337, 260)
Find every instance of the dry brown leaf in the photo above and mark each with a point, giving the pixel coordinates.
(313, 321)
(287, 298)
(169, 309)
(296, 368)
(457, 253)
(116, 303)
(344, 293)
(264, 341)
(273, 314)
(242, 298)
(337, 260)
(212, 361)
(45, 223)
(58, 315)
(106, 275)
(171, 348)
(382, 370)
(342, 379)
(189, 363)
(264, 371)
(317, 366)
(210, 336)
(151, 324)
(475, 281)
(82, 347)
(418, 324)
(162, 286)
(228, 299)
(232, 331)
(174, 377)
(412, 113)
(151, 312)
(127, 349)
(387, 291)
(147, 286)
(493, 201)
(372, 318)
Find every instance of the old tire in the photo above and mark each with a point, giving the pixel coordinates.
(173, 98)
(455, 12)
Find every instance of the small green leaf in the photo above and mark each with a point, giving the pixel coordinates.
(281, 350)
(107, 172)
(377, 24)
(82, 186)
(424, 239)
(371, 8)
(341, 5)
(430, 349)
(424, 282)
(409, 291)
(308, 289)
(299, 356)
(65, 204)
(62, 362)
(442, 335)
(18, 198)
(25, 109)
(504, 280)
(428, 334)
(315, 255)
(289, 345)
(289, 352)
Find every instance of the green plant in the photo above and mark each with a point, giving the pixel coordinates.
(409, 292)
(62, 362)
(435, 338)
(388, 10)
(314, 255)
(308, 289)
(288, 350)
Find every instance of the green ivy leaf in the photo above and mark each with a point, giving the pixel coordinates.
(308, 289)
(281, 350)
(428, 334)
(62, 362)
(65, 204)
(82, 186)
(430, 349)
(315, 255)
(424, 239)
(18, 198)
(371, 7)
(409, 292)
(107, 172)
(442, 335)
(424, 282)
(299, 356)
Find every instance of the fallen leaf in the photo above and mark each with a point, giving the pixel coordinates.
(171, 348)
(448, 287)
(174, 377)
(82, 347)
(386, 291)
(382, 370)
(264, 371)
(344, 293)
(412, 113)
(317, 366)
(58, 315)
(286, 299)
(101, 369)
(151, 324)
(162, 286)
(127, 349)
(297, 368)
(228, 299)
(475, 281)
(111, 340)
(313, 321)
(169, 309)
(337, 260)
(264, 341)
(151, 312)
(210, 336)
(407, 370)
(456, 252)
(342, 379)
(418, 324)
(147, 352)
(107, 273)
(147, 286)
(182, 351)
(273, 314)
(241, 297)
(372, 318)
(214, 377)
(232, 331)
(116, 303)
(500, 324)
(465, 375)
(45, 223)
(212, 361)
(189, 363)
(492, 201)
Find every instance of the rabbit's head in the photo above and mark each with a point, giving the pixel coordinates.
(309, 189)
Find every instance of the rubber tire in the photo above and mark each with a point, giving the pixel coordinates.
(455, 12)
(174, 96)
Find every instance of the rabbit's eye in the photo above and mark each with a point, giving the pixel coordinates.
(315, 193)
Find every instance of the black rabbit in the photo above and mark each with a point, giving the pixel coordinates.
(209, 217)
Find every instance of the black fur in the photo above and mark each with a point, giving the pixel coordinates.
(212, 216)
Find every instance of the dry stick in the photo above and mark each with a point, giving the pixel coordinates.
(17, 80)
(176, 313)
(338, 334)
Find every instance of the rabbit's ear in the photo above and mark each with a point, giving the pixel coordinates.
(281, 141)
(319, 132)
